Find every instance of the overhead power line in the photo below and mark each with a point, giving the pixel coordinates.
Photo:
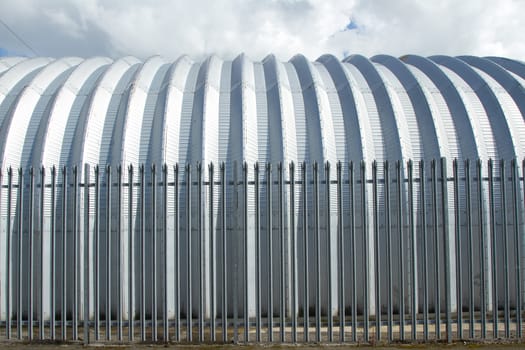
(18, 37)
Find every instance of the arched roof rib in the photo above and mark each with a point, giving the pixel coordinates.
(72, 111)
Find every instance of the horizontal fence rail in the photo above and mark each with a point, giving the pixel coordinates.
(341, 252)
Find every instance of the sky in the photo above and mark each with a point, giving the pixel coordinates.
(170, 28)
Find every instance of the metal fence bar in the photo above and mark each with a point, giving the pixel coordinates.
(224, 307)
(364, 225)
(351, 191)
(9, 253)
(329, 250)
(189, 311)
(306, 302)
(341, 252)
(388, 225)
(245, 255)
(131, 247)
(20, 206)
(282, 307)
(293, 235)
(154, 326)
(211, 230)
(142, 232)
(504, 219)
(64, 252)
(119, 254)
(457, 235)
(75, 233)
(444, 212)
(176, 228)
(516, 243)
(96, 243)
(109, 265)
(52, 274)
(469, 214)
(235, 254)
(269, 232)
(493, 252)
(257, 255)
(31, 235)
(399, 180)
(86, 259)
(200, 246)
(481, 221)
(413, 249)
(317, 234)
(165, 316)
(437, 292)
(377, 248)
(41, 253)
(424, 232)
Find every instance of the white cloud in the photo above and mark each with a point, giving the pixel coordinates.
(259, 27)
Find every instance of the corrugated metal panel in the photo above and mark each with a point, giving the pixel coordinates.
(477, 115)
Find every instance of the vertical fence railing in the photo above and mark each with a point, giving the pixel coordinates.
(356, 252)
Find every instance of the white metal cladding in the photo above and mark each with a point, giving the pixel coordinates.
(73, 111)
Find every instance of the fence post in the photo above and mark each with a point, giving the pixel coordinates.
(269, 229)
(457, 235)
(9, 234)
(20, 245)
(413, 248)
(399, 180)
(422, 192)
(64, 239)
(154, 326)
(118, 248)
(96, 269)
(317, 253)
(493, 252)
(341, 253)
(131, 306)
(388, 223)
(53, 255)
(293, 235)
(31, 234)
(176, 224)
(212, 251)
(86, 257)
(329, 249)
(109, 264)
(200, 245)
(245, 255)
(282, 307)
(351, 181)
(257, 255)
(189, 311)
(306, 303)
(481, 214)
(364, 224)
(224, 307)
(437, 295)
(503, 180)
(376, 252)
(41, 270)
(165, 316)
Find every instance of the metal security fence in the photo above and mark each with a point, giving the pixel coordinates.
(348, 252)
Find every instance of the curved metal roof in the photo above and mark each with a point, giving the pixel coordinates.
(71, 111)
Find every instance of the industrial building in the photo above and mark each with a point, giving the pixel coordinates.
(255, 193)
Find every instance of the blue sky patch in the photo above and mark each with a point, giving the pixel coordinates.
(3, 52)
(352, 25)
